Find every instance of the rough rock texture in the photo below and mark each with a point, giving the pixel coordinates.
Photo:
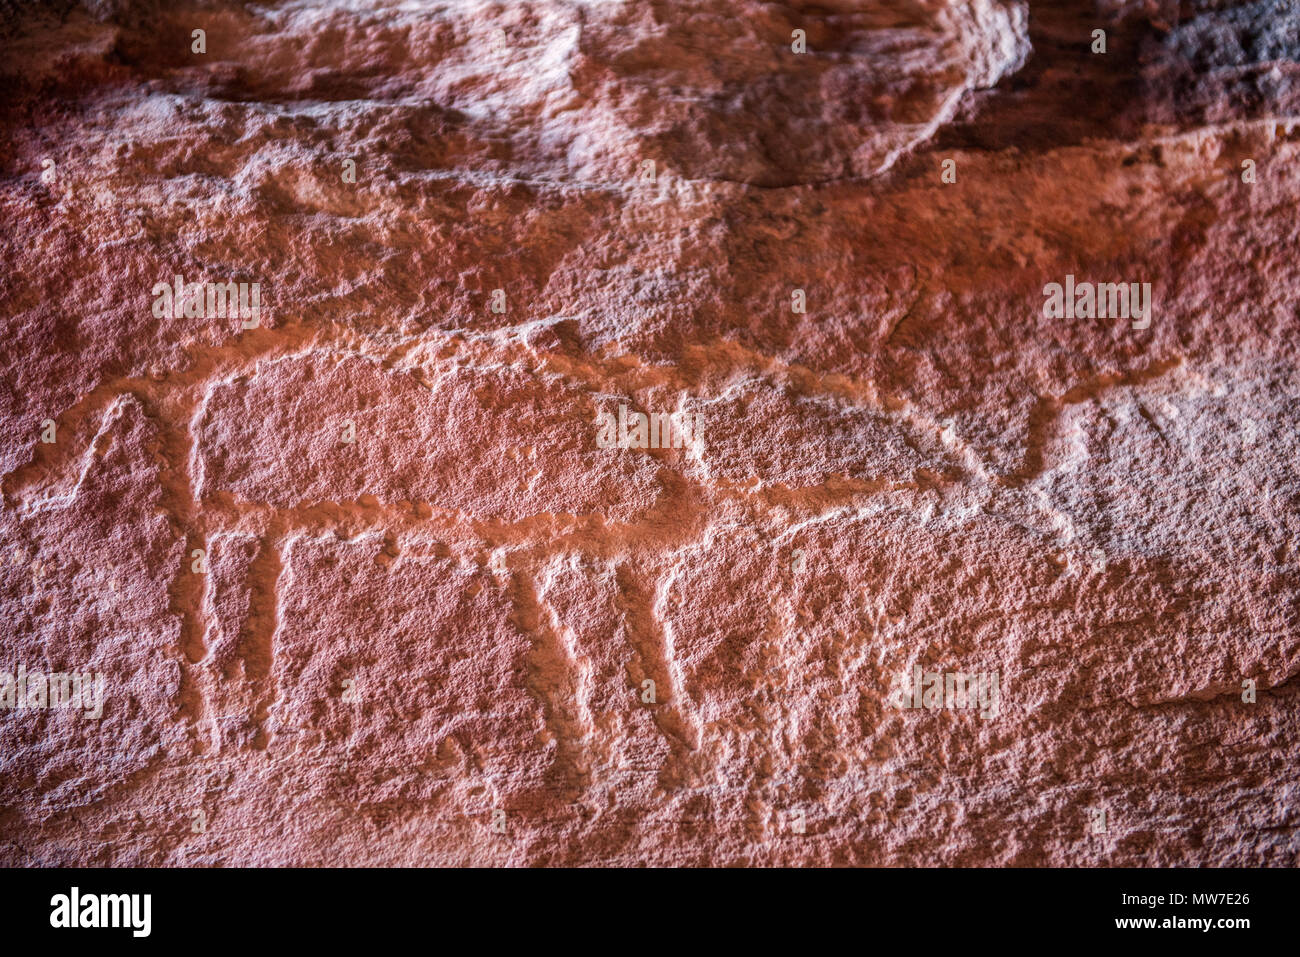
(429, 598)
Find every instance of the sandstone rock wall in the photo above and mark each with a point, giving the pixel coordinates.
(362, 580)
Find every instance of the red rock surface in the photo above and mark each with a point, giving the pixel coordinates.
(393, 638)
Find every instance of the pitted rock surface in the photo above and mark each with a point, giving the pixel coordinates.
(366, 583)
